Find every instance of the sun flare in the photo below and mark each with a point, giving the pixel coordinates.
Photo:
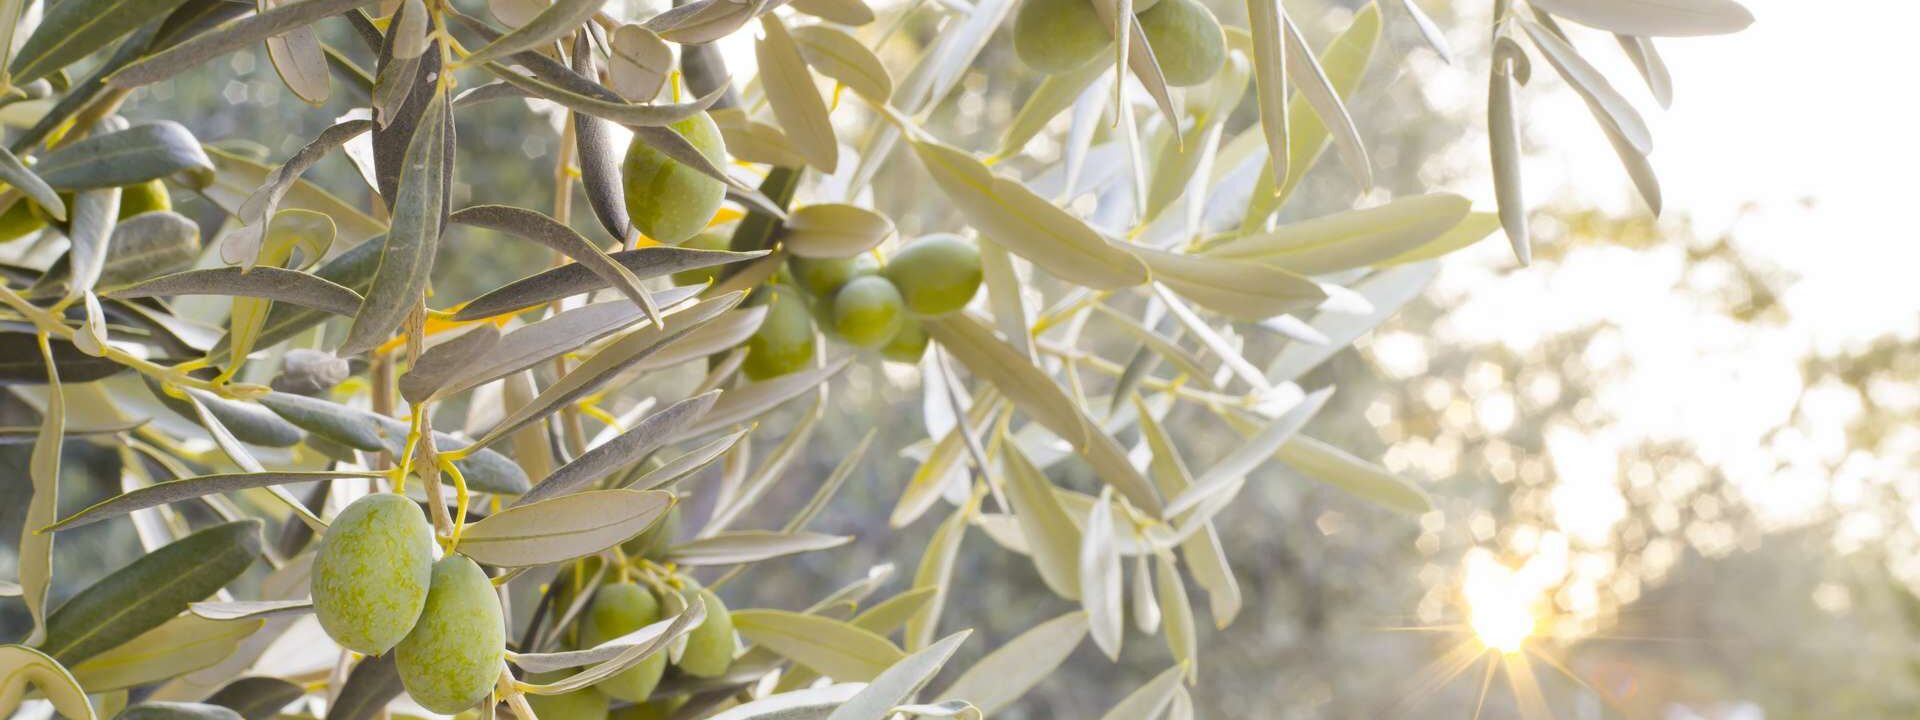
(1499, 605)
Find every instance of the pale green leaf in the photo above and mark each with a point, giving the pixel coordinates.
(997, 680)
(563, 527)
(830, 647)
(1677, 18)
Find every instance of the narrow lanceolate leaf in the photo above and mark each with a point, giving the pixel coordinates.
(559, 18)
(813, 702)
(43, 469)
(184, 644)
(1054, 95)
(1351, 239)
(242, 246)
(1018, 380)
(844, 12)
(599, 159)
(17, 175)
(373, 683)
(1365, 480)
(835, 54)
(1324, 97)
(936, 571)
(563, 528)
(1052, 537)
(174, 491)
(1216, 484)
(94, 211)
(1008, 213)
(1646, 58)
(573, 279)
(1608, 106)
(269, 283)
(301, 62)
(134, 155)
(1503, 136)
(544, 340)
(1182, 640)
(536, 226)
(1100, 576)
(1151, 699)
(231, 37)
(657, 633)
(243, 609)
(1658, 18)
(1000, 678)
(445, 361)
(1345, 62)
(149, 591)
(900, 682)
(1146, 608)
(140, 247)
(1251, 291)
(632, 654)
(625, 113)
(257, 698)
(748, 546)
(407, 254)
(485, 470)
(834, 230)
(622, 451)
(638, 62)
(20, 665)
(751, 401)
(237, 177)
(73, 30)
(1429, 30)
(795, 101)
(835, 649)
(1265, 19)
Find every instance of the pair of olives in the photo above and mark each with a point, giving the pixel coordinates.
(1057, 36)
(376, 587)
(25, 216)
(621, 608)
(863, 303)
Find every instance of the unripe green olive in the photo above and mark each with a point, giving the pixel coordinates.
(661, 709)
(784, 343)
(144, 197)
(703, 241)
(619, 609)
(936, 275)
(907, 345)
(454, 654)
(1055, 36)
(372, 572)
(710, 646)
(666, 200)
(867, 311)
(1186, 39)
(582, 704)
(652, 542)
(19, 219)
(568, 584)
(823, 276)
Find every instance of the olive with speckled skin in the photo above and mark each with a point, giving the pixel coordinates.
(582, 704)
(619, 609)
(371, 574)
(710, 646)
(784, 342)
(936, 275)
(867, 311)
(454, 654)
(1186, 39)
(668, 201)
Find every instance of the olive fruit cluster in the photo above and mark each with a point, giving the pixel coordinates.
(1057, 36)
(25, 216)
(376, 587)
(863, 303)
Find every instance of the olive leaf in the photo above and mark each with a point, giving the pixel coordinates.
(559, 18)
(574, 279)
(244, 609)
(1243, 290)
(793, 97)
(242, 245)
(1000, 678)
(533, 343)
(830, 647)
(484, 470)
(631, 650)
(834, 53)
(184, 644)
(146, 593)
(649, 435)
(834, 230)
(256, 698)
(373, 682)
(269, 283)
(228, 38)
(445, 361)
(1150, 699)
(844, 12)
(141, 247)
(540, 228)
(1344, 62)
(43, 471)
(407, 255)
(1100, 577)
(636, 645)
(748, 546)
(73, 30)
(1678, 18)
(899, 682)
(1053, 539)
(1352, 239)
(21, 665)
(599, 160)
(562, 528)
(173, 491)
(17, 175)
(638, 62)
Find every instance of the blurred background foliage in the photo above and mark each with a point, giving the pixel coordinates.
(1719, 513)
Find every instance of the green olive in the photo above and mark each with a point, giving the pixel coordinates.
(372, 572)
(823, 276)
(1055, 36)
(144, 197)
(710, 646)
(20, 220)
(582, 704)
(936, 275)
(784, 343)
(907, 345)
(454, 654)
(702, 241)
(568, 584)
(1186, 39)
(867, 311)
(666, 200)
(619, 609)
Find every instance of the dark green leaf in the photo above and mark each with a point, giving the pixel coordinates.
(573, 279)
(134, 155)
(484, 470)
(630, 446)
(407, 256)
(540, 228)
(20, 362)
(150, 591)
(76, 28)
(231, 37)
(257, 698)
(445, 361)
(177, 711)
(17, 175)
(369, 687)
(174, 491)
(272, 283)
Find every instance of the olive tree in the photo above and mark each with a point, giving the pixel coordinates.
(532, 547)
